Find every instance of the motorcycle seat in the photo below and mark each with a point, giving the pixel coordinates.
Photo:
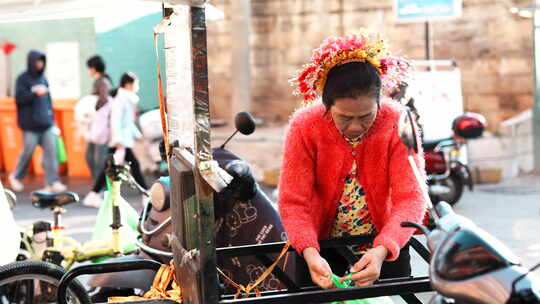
(432, 143)
(43, 199)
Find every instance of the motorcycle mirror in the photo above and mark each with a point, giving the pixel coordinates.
(407, 131)
(244, 123)
(11, 198)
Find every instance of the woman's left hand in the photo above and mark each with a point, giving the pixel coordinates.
(368, 269)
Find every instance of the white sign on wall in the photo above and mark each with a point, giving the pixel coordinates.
(62, 70)
(426, 10)
(439, 100)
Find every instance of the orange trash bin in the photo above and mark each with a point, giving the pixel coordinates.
(10, 134)
(73, 139)
(2, 166)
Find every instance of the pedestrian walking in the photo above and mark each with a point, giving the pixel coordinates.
(98, 133)
(123, 130)
(97, 152)
(36, 120)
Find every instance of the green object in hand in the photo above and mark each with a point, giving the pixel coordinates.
(60, 150)
(347, 283)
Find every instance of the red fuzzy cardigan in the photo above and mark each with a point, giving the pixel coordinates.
(316, 162)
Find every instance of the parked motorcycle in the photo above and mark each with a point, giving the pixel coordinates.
(447, 174)
(243, 215)
(468, 265)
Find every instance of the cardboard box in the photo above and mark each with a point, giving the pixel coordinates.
(487, 176)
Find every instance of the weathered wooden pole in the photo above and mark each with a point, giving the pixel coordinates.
(191, 166)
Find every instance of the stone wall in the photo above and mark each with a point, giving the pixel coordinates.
(492, 47)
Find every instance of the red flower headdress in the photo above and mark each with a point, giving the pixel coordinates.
(335, 51)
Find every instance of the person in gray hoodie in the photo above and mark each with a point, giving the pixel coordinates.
(35, 118)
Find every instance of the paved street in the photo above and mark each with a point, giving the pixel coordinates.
(510, 211)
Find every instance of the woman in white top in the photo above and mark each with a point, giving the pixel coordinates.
(96, 150)
(123, 130)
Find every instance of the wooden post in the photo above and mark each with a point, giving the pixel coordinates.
(203, 154)
(189, 125)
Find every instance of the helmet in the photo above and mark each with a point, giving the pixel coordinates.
(469, 125)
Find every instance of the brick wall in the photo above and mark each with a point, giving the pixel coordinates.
(492, 47)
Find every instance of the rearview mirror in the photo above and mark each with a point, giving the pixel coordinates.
(244, 123)
(407, 130)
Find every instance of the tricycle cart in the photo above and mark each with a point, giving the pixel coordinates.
(195, 176)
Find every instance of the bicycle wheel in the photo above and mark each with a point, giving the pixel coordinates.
(36, 282)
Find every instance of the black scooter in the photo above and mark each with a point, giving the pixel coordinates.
(243, 215)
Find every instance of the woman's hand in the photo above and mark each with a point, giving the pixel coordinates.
(318, 268)
(369, 267)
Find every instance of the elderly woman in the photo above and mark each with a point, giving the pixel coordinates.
(345, 171)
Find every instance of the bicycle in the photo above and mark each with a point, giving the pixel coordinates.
(47, 242)
(31, 282)
(46, 254)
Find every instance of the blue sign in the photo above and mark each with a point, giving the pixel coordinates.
(424, 10)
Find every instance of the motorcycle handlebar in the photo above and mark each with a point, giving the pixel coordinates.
(443, 208)
(447, 144)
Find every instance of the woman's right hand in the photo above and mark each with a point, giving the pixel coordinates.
(321, 273)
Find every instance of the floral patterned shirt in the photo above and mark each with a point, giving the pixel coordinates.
(353, 217)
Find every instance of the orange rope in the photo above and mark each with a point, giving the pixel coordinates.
(166, 275)
(162, 280)
(246, 290)
(161, 97)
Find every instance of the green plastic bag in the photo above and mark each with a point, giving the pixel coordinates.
(60, 150)
(347, 284)
(128, 231)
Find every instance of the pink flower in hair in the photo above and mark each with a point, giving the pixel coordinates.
(335, 51)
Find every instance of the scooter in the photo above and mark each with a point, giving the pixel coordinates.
(243, 215)
(468, 265)
(150, 126)
(447, 174)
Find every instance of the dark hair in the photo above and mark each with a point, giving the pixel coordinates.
(97, 63)
(351, 80)
(126, 78)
